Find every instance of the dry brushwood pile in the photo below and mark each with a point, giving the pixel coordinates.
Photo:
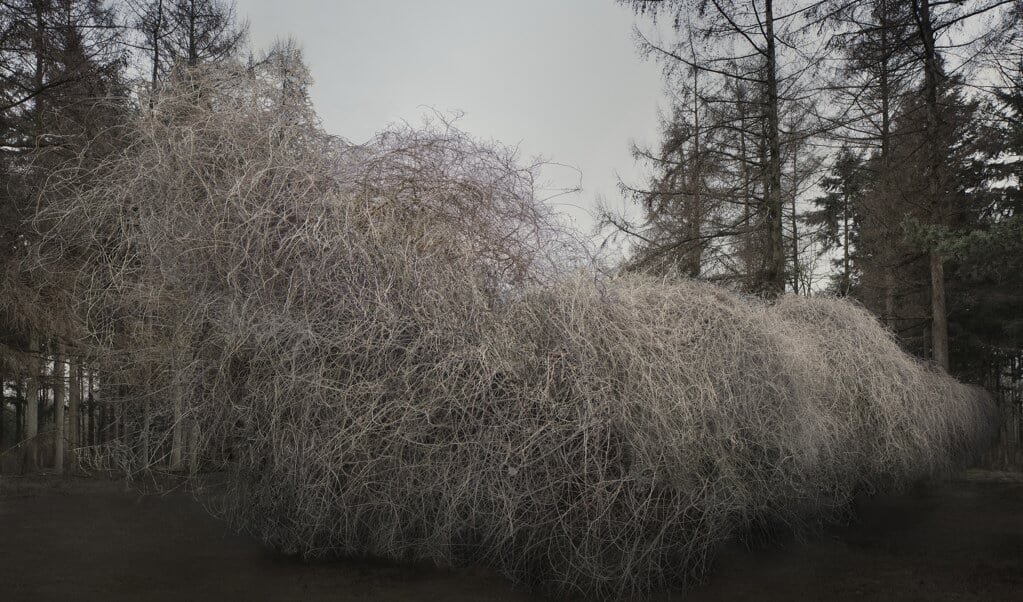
(376, 342)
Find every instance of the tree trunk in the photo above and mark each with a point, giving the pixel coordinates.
(795, 226)
(39, 75)
(747, 195)
(193, 48)
(886, 171)
(58, 407)
(846, 271)
(90, 411)
(155, 75)
(696, 187)
(19, 413)
(939, 317)
(30, 458)
(773, 283)
(74, 400)
(3, 407)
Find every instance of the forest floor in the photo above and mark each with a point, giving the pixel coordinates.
(91, 539)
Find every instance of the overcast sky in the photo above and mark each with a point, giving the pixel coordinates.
(558, 78)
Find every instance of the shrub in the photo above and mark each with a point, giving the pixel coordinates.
(377, 343)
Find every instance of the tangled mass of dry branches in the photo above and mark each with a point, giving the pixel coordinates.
(376, 341)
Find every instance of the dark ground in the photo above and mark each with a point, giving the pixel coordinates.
(81, 539)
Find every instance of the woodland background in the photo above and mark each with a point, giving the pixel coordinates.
(878, 143)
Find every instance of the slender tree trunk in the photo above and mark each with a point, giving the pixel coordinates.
(795, 227)
(193, 48)
(19, 412)
(31, 407)
(939, 317)
(88, 409)
(74, 400)
(695, 187)
(846, 276)
(774, 276)
(101, 419)
(747, 196)
(92, 419)
(886, 170)
(39, 75)
(3, 408)
(58, 407)
(155, 74)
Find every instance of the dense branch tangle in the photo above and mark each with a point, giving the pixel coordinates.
(378, 344)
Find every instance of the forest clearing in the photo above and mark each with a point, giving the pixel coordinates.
(792, 363)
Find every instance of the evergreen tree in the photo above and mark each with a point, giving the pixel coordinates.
(986, 284)
(838, 216)
(751, 68)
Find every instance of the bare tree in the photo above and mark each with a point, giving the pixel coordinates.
(750, 47)
(203, 31)
(684, 213)
(188, 33)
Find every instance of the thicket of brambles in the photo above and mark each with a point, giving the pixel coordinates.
(376, 343)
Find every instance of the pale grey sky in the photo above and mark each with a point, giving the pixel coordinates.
(558, 78)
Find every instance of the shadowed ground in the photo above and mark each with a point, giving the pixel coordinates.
(94, 540)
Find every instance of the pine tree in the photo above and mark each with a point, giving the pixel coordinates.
(838, 216)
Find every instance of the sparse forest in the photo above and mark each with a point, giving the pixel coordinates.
(396, 349)
(865, 149)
